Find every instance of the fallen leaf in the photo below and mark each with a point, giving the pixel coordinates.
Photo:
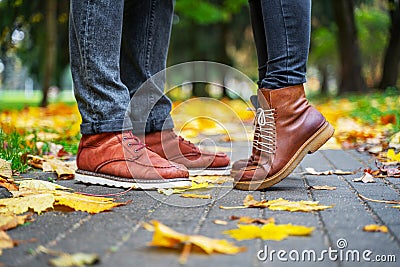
(40, 185)
(375, 228)
(38, 203)
(166, 237)
(250, 220)
(5, 241)
(280, 204)
(303, 205)
(379, 201)
(269, 231)
(11, 186)
(89, 204)
(322, 187)
(208, 196)
(212, 179)
(70, 260)
(9, 220)
(312, 171)
(77, 259)
(220, 222)
(65, 170)
(194, 186)
(5, 169)
(366, 178)
(396, 207)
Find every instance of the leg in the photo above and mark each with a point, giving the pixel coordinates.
(287, 26)
(287, 126)
(94, 44)
(257, 24)
(108, 154)
(145, 40)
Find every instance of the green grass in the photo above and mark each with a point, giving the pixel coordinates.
(17, 99)
(14, 148)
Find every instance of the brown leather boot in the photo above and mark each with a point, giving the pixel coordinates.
(289, 129)
(122, 160)
(174, 148)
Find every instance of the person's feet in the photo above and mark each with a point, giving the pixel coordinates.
(174, 148)
(289, 128)
(122, 160)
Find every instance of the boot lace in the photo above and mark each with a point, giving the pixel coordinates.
(266, 136)
(134, 140)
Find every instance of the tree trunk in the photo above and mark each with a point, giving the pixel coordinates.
(391, 64)
(351, 79)
(51, 48)
(324, 88)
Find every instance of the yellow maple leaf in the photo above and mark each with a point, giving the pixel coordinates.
(392, 155)
(280, 204)
(166, 237)
(38, 203)
(283, 204)
(375, 228)
(269, 231)
(89, 204)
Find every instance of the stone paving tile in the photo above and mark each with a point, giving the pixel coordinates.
(120, 240)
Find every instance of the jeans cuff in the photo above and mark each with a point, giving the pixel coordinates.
(138, 127)
(105, 126)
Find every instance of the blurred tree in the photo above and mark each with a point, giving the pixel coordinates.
(372, 24)
(202, 29)
(391, 63)
(351, 79)
(36, 32)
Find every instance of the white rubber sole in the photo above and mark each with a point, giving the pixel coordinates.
(225, 171)
(136, 184)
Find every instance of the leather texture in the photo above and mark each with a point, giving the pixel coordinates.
(124, 155)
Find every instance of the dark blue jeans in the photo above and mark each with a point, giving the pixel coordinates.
(114, 48)
(281, 30)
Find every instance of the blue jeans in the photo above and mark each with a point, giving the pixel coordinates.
(114, 48)
(281, 30)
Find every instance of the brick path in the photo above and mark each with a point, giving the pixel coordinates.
(119, 239)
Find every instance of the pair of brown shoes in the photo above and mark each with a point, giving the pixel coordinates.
(287, 127)
(157, 160)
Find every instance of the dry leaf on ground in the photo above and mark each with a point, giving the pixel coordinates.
(280, 204)
(212, 179)
(5, 241)
(322, 187)
(65, 169)
(8, 184)
(166, 237)
(366, 178)
(220, 222)
(312, 171)
(269, 231)
(208, 196)
(375, 228)
(69, 260)
(5, 169)
(38, 203)
(40, 185)
(249, 220)
(85, 203)
(9, 220)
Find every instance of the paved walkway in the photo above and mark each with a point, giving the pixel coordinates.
(119, 239)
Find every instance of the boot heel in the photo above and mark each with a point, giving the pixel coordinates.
(322, 136)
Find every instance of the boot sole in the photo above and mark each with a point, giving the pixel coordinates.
(223, 171)
(114, 181)
(310, 146)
